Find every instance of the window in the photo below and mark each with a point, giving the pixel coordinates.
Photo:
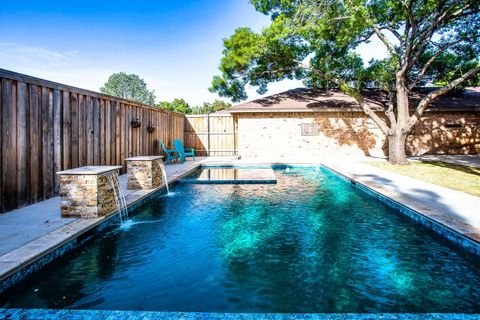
(453, 125)
(310, 129)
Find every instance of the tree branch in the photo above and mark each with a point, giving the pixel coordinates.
(442, 49)
(385, 41)
(441, 19)
(410, 29)
(423, 104)
(390, 114)
(366, 108)
(419, 53)
(394, 32)
(368, 111)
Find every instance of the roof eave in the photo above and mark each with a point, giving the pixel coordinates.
(332, 110)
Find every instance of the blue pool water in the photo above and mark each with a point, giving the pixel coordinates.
(310, 243)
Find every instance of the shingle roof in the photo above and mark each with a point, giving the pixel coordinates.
(315, 100)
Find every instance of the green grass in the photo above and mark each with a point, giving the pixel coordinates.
(453, 176)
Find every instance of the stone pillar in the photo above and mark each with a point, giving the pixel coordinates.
(144, 172)
(87, 192)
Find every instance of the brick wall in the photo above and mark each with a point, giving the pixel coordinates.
(351, 134)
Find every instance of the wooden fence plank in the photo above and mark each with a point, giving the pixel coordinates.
(8, 148)
(2, 103)
(45, 143)
(82, 131)
(36, 185)
(22, 142)
(108, 131)
(113, 121)
(118, 131)
(67, 129)
(50, 174)
(13, 144)
(95, 130)
(75, 130)
(57, 136)
(89, 130)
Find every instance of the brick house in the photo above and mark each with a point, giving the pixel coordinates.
(308, 122)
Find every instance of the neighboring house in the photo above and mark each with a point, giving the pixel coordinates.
(308, 122)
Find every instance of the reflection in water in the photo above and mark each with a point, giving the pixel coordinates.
(216, 174)
(310, 243)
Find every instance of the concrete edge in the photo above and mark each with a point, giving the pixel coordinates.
(15, 314)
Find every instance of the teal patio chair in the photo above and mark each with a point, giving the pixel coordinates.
(169, 153)
(182, 151)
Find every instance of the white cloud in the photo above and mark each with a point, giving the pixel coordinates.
(72, 67)
(68, 67)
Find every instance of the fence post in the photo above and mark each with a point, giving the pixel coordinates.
(234, 137)
(208, 135)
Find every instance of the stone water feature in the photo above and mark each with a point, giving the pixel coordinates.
(145, 172)
(87, 192)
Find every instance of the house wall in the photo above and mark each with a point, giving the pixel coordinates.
(279, 135)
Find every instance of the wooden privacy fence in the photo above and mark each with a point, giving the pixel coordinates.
(47, 127)
(211, 135)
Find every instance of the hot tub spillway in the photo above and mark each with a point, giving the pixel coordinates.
(232, 175)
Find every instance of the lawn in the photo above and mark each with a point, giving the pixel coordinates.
(453, 176)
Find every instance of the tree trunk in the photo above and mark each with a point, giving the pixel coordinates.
(396, 149)
(396, 141)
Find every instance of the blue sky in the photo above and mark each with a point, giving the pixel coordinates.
(174, 45)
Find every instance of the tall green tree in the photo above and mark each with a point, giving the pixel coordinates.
(314, 40)
(177, 105)
(128, 86)
(211, 107)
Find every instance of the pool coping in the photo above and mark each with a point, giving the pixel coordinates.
(80, 231)
(17, 314)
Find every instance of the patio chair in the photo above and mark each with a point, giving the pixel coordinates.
(169, 153)
(182, 151)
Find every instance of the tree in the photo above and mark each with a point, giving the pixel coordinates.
(433, 41)
(177, 105)
(128, 86)
(215, 106)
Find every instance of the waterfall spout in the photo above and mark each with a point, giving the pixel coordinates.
(164, 174)
(120, 200)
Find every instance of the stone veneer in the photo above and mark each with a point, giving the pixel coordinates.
(86, 192)
(144, 172)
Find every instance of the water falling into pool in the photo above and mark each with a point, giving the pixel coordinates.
(120, 200)
(164, 173)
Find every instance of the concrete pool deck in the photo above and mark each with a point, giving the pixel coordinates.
(32, 232)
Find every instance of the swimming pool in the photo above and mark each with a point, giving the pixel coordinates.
(310, 243)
